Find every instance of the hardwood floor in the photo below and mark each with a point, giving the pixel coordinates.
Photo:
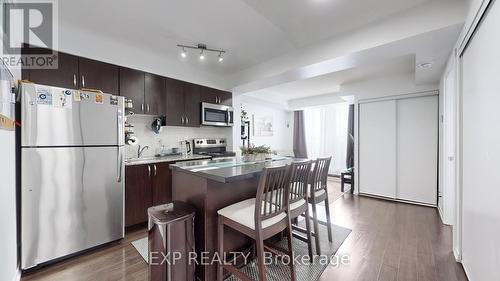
(393, 241)
(389, 241)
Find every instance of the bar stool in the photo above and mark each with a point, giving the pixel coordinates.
(299, 180)
(259, 218)
(318, 193)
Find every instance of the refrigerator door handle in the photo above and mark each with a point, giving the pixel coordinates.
(120, 127)
(120, 164)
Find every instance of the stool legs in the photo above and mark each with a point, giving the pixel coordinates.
(260, 259)
(308, 234)
(220, 238)
(328, 220)
(316, 229)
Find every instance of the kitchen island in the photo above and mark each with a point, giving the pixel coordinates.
(211, 185)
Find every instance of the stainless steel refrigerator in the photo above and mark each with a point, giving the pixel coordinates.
(72, 178)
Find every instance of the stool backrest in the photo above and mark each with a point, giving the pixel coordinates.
(300, 173)
(320, 174)
(271, 193)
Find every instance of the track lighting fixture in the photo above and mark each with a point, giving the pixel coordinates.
(203, 49)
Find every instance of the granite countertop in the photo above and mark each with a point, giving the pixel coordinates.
(159, 159)
(228, 170)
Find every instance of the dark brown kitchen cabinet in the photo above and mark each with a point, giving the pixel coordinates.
(145, 186)
(216, 96)
(99, 75)
(225, 98)
(162, 184)
(175, 102)
(192, 105)
(183, 103)
(155, 94)
(65, 75)
(132, 87)
(138, 195)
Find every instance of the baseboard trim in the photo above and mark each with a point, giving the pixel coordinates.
(457, 256)
(17, 276)
(398, 200)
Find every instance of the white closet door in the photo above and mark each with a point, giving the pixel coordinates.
(417, 144)
(481, 150)
(377, 153)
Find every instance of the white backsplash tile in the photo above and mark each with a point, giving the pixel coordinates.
(169, 136)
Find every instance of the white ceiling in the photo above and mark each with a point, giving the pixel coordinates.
(330, 83)
(252, 31)
(307, 21)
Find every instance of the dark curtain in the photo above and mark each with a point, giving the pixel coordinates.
(299, 135)
(350, 138)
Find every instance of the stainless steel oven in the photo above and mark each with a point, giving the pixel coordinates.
(216, 115)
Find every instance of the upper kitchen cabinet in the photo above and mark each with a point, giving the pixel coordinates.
(65, 75)
(192, 105)
(99, 75)
(155, 94)
(132, 87)
(215, 96)
(225, 98)
(175, 102)
(183, 103)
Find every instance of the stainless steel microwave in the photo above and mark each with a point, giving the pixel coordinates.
(216, 115)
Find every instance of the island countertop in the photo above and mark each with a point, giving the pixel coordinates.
(229, 169)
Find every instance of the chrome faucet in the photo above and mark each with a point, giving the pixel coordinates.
(140, 150)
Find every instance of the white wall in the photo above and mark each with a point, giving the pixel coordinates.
(170, 136)
(282, 139)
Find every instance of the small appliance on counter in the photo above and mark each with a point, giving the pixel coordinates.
(216, 148)
(186, 147)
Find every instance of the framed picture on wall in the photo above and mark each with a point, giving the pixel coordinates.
(263, 125)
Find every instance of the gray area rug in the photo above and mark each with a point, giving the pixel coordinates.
(279, 271)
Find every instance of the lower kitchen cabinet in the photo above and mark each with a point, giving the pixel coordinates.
(162, 184)
(138, 195)
(145, 186)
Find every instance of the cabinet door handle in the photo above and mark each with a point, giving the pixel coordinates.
(83, 81)
(154, 169)
(74, 80)
(215, 99)
(147, 107)
(182, 120)
(142, 107)
(149, 170)
(187, 120)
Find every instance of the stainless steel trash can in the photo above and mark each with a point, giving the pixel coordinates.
(171, 239)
